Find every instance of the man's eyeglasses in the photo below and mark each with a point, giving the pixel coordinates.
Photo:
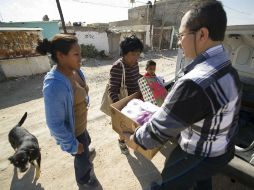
(180, 35)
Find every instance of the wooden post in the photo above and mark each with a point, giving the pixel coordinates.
(162, 28)
(172, 37)
(151, 24)
(61, 16)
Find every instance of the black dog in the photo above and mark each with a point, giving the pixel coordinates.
(26, 148)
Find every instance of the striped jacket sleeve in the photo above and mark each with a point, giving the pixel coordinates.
(115, 82)
(185, 104)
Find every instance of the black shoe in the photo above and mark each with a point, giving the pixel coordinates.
(124, 149)
(92, 182)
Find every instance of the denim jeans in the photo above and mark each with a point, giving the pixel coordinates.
(82, 164)
(183, 171)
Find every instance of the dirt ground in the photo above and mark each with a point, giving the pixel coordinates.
(113, 170)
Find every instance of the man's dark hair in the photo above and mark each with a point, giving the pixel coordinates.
(150, 63)
(211, 15)
(131, 43)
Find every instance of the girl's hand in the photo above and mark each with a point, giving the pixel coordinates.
(80, 148)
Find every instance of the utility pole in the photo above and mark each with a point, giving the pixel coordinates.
(61, 15)
(151, 24)
(162, 27)
(1, 17)
(132, 1)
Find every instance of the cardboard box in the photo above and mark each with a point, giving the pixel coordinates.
(122, 123)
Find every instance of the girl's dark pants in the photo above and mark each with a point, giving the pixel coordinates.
(82, 164)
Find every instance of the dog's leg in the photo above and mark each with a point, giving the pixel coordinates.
(38, 167)
(38, 172)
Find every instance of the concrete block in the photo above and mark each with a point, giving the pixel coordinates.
(25, 66)
(2, 75)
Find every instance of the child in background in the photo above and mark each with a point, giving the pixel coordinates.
(150, 68)
(150, 71)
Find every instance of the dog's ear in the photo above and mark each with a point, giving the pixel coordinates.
(11, 159)
(31, 151)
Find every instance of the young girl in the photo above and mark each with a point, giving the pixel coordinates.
(131, 47)
(150, 68)
(150, 71)
(66, 100)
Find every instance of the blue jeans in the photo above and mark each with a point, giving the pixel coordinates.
(183, 171)
(82, 164)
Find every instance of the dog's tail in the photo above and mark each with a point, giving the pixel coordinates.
(22, 119)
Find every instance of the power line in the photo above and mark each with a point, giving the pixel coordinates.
(241, 12)
(101, 4)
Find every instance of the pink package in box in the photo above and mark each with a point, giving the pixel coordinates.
(152, 90)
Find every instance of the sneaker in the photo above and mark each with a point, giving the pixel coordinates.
(92, 153)
(92, 182)
(124, 149)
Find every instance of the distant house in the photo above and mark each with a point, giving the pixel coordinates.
(118, 31)
(50, 28)
(155, 24)
(95, 35)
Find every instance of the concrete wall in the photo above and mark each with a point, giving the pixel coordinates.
(23, 66)
(133, 29)
(96, 36)
(169, 10)
(118, 33)
(98, 39)
(114, 40)
(119, 23)
(50, 28)
(165, 36)
(139, 15)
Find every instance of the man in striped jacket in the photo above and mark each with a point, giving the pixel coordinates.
(202, 108)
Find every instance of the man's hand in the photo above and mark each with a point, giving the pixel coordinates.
(129, 139)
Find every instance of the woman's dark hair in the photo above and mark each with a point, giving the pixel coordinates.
(61, 42)
(131, 43)
(150, 63)
(211, 15)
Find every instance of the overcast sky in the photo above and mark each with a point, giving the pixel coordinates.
(91, 11)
